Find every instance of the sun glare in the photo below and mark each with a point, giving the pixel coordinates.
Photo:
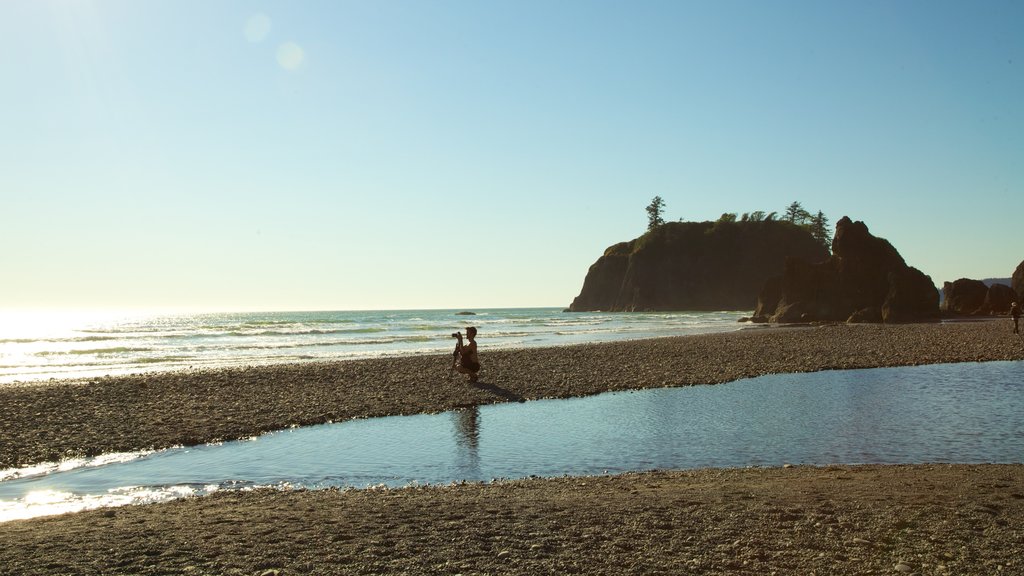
(54, 323)
(32, 324)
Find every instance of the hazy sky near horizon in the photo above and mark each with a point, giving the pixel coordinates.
(239, 155)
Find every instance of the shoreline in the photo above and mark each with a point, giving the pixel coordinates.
(51, 421)
(152, 344)
(143, 372)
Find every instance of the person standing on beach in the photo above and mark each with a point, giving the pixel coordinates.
(1015, 312)
(467, 361)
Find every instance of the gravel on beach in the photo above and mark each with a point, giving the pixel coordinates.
(840, 520)
(920, 519)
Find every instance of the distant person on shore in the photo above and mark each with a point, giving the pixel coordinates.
(466, 360)
(1015, 312)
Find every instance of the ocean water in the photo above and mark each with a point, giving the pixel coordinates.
(37, 346)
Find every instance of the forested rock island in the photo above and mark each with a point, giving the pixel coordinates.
(718, 265)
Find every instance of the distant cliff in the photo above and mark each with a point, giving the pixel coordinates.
(694, 266)
(1017, 282)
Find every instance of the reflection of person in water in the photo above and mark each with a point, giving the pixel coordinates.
(469, 427)
(467, 439)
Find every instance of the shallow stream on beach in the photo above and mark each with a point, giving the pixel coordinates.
(955, 413)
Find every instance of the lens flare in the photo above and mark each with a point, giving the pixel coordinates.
(257, 27)
(290, 56)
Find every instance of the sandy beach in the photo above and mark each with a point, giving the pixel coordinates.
(838, 520)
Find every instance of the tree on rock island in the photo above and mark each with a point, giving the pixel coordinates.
(654, 213)
(816, 224)
(819, 229)
(796, 214)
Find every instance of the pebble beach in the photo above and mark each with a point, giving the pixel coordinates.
(836, 520)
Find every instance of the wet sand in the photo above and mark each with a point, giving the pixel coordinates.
(841, 520)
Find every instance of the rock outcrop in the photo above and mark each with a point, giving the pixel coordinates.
(998, 299)
(1017, 281)
(693, 266)
(865, 280)
(963, 296)
(976, 298)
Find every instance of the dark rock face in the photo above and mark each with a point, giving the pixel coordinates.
(768, 299)
(693, 266)
(975, 297)
(963, 296)
(1017, 281)
(998, 299)
(865, 280)
(912, 297)
(866, 316)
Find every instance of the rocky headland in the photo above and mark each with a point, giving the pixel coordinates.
(694, 266)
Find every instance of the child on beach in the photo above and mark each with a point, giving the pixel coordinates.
(467, 361)
(1015, 312)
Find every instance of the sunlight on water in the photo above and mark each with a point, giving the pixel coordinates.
(46, 324)
(51, 502)
(39, 346)
(71, 464)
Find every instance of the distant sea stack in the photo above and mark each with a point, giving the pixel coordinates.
(693, 266)
(963, 296)
(998, 300)
(865, 280)
(977, 297)
(1017, 281)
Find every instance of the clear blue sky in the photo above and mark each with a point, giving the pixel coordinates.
(433, 154)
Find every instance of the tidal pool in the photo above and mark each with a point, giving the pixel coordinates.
(962, 413)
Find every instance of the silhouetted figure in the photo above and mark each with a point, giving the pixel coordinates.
(466, 359)
(1015, 312)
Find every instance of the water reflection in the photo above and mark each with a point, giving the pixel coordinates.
(467, 439)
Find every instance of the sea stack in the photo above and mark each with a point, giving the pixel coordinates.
(963, 296)
(865, 280)
(693, 266)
